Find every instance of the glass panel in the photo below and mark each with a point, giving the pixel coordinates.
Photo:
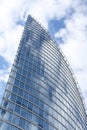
(21, 85)
(15, 89)
(33, 127)
(29, 115)
(13, 128)
(18, 76)
(11, 106)
(17, 109)
(36, 109)
(30, 105)
(22, 122)
(8, 116)
(25, 95)
(36, 101)
(24, 103)
(15, 119)
(27, 87)
(45, 125)
(4, 126)
(40, 122)
(27, 125)
(23, 112)
(2, 112)
(19, 100)
(20, 92)
(41, 112)
(16, 82)
(13, 97)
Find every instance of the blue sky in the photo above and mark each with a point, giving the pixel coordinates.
(65, 20)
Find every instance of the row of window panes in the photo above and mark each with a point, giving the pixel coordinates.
(28, 115)
(7, 126)
(38, 31)
(46, 59)
(26, 61)
(55, 122)
(29, 81)
(62, 67)
(21, 121)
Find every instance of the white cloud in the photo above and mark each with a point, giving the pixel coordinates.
(4, 75)
(9, 43)
(74, 34)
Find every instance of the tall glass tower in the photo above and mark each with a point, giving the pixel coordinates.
(41, 93)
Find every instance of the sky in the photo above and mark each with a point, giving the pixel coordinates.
(66, 21)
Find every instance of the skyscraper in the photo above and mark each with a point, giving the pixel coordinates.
(41, 93)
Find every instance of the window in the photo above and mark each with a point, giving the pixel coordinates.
(50, 92)
(24, 103)
(19, 100)
(36, 109)
(27, 125)
(30, 106)
(24, 72)
(11, 80)
(22, 122)
(5, 126)
(16, 82)
(19, 71)
(13, 128)
(11, 106)
(13, 97)
(27, 81)
(17, 109)
(27, 87)
(40, 122)
(23, 112)
(29, 115)
(45, 115)
(25, 95)
(15, 89)
(15, 119)
(23, 78)
(33, 127)
(13, 73)
(28, 75)
(9, 86)
(46, 125)
(41, 112)
(2, 112)
(20, 92)
(36, 101)
(34, 118)
(51, 128)
(31, 98)
(18, 76)
(5, 103)
(41, 104)
(21, 85)
(39, 129)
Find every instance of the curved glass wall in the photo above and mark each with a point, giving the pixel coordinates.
(41, 93)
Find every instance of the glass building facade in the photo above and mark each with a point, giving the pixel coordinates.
(41, 93)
